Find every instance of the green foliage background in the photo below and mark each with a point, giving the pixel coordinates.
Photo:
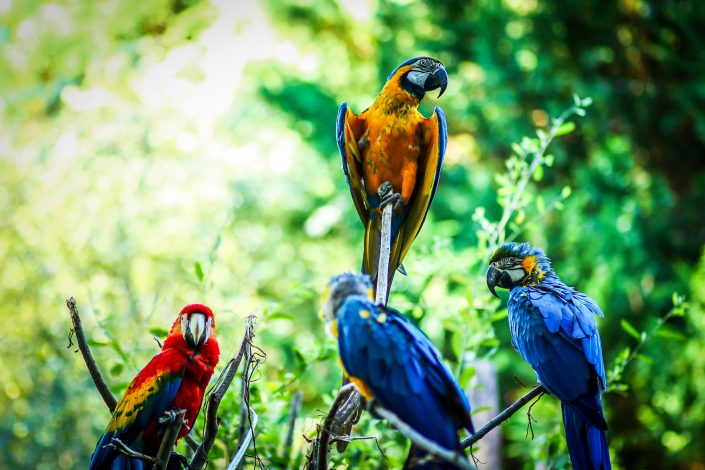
(158, 153)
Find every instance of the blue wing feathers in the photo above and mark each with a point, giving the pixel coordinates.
(407, 376)
(554, 329)
(340, 137)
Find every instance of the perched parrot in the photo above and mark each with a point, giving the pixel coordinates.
(393, 363)
(392, 154)
(553, 328)
(176, 378)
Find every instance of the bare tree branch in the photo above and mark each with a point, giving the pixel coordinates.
(295, 409)
(225, 379)
(321, 461)
(423, 442)
(93, 368)
(384, 253)
(123, 448)
(238, 459)
(503, 416)
(171, 433)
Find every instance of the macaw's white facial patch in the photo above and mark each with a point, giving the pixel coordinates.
(516, 274)
(417, 78)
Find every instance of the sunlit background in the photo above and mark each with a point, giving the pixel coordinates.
(154, 154)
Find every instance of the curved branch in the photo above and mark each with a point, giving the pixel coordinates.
(235, 462)
(503, 416)
(93, 368)
(324, 437)
(454, 458)
(226, 378)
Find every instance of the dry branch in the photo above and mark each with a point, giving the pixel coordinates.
(238, 459)
(321, 461)
(225, 379)
(92, 366)
(503, 416)
(384, 253)
(295, 407)
(169, 439)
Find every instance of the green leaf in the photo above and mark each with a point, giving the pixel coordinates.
(645, 358)
(670, 333)
(159, 332)
(565, 128)
(199, 270)
(117, 368)
(626, 326)
(566, 191)
(466, 376)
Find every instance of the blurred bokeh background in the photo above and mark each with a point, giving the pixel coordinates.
(158, 153)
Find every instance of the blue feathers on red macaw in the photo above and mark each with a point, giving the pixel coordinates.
(176, 378)
(553, 328)
(393, 363)
(391, 142)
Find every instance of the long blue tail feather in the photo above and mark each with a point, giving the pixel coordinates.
(587, 444)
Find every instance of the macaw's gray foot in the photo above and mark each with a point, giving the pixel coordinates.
(168, 417)
(386, 192)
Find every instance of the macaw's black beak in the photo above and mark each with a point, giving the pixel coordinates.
(495, 277)
(438, 79)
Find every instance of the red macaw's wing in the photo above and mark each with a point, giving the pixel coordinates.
(148, 396)
(434, 136)
(349, 129)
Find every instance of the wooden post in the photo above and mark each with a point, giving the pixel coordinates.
(484, 393)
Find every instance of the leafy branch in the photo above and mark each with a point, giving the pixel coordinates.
(527, 162)
(627, 355)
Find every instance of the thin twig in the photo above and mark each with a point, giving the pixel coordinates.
(384, 253)
(422, 442)
(545, 140)
(324, 435)
(226, 378)
(503, 416)
(191, 442)
(245, 425)
(123, 448)
(242, 426)
(169, 439)
(238, 459)
(93, 368)
(295, 409)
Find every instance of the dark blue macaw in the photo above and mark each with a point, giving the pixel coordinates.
(553, 328)
(393, 363)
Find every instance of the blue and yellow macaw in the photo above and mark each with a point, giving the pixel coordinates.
(553, 328)
(393, 363)
(392, 154)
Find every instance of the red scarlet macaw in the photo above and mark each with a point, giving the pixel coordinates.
(176, 378)
(392, 143)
